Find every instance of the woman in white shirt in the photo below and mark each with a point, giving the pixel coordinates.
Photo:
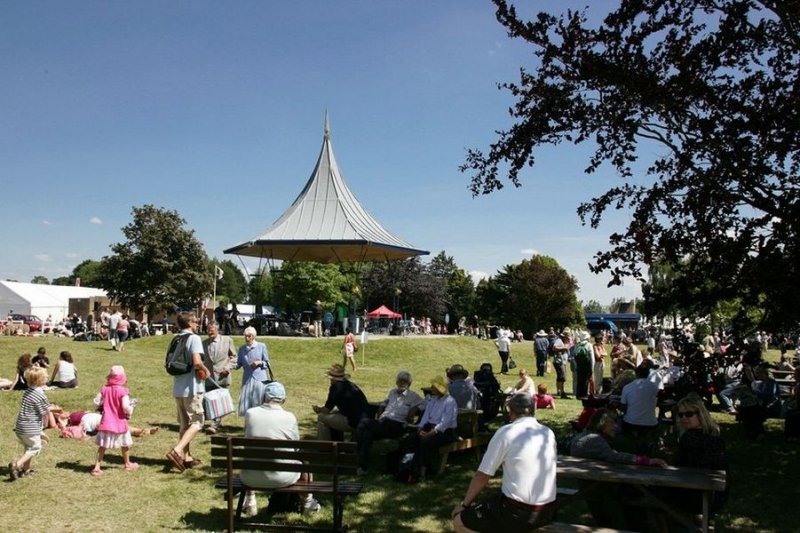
(65, 375)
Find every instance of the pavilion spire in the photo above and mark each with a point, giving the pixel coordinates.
(327, 126)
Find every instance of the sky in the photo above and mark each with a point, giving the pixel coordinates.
(216, 110)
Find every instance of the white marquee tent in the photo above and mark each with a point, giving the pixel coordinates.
(41, 300)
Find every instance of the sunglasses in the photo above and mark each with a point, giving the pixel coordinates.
(687, 414)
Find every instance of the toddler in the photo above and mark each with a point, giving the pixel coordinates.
(113, 431)
(34, 414)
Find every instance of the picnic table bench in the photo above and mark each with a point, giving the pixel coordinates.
(593, 472)
(469, 438)
(324, 458)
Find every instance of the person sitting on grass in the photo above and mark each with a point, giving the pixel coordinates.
(83, 425)
(542, 399)
(35, 413)
(23, 364)
(270, 420)
(65, 374)
(41, 359)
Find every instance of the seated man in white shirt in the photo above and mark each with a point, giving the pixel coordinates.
(399, 407)
(526, 450)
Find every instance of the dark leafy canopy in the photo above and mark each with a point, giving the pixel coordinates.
(535, 294)
(298, 285)
(703, 95)
(409, 285)
(87, 271)
(161, 266)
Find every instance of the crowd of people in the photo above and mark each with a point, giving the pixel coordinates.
(624, 430)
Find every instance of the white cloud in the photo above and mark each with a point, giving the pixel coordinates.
(477, 275)
(95, 220)
(43, 257)
(529, 251)
(46, 222)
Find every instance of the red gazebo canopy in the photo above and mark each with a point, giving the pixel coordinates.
(382, 312)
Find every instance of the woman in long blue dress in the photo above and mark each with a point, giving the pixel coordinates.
(253, 359)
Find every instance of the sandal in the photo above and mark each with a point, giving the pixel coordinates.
(176, 460)
(96, 472)
(193, 463)
(132, 466)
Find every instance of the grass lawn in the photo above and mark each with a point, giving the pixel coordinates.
(64, 497)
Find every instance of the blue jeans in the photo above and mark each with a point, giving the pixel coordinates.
(726, 396)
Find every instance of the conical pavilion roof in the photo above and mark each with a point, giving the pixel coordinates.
(326, 224)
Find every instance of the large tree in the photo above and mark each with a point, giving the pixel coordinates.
(696, 104)
(459, 287)
(298, 285)
(531, 295)
(161, 265)
(408, 284)
(233, 284)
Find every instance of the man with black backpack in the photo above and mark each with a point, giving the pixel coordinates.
(185, 363)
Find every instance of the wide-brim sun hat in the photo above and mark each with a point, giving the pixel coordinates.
(566, 332)
(457, 372)
(541, 333)
(337, 372)
(438, 383)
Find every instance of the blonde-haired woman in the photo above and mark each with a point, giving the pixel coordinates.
(699, 446)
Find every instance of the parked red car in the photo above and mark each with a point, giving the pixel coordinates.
(33, 321)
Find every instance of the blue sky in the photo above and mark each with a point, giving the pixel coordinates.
(216, 110)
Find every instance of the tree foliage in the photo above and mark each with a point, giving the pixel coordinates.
(160, 266)
(298, 285)
(87, 271)
(410, 283)
(532, 295)
(593, 306)
(40, 280)
(233, 284)
(702, 96)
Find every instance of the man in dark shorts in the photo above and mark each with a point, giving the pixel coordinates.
(526, 450)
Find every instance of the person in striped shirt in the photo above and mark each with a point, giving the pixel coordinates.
(35, 414)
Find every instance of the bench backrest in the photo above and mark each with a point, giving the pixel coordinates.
(311, 456)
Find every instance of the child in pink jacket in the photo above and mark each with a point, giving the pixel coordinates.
(113, 431)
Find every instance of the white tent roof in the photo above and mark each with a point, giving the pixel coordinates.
(326, 224)
(36, 299)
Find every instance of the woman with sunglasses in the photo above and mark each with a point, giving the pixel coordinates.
(699, 446)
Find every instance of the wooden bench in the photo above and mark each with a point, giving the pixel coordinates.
(559, 527)
(468, 438)
(323, 458)
(642, 478)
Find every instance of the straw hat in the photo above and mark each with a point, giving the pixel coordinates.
(566, 332)
(541, 333)
(337, 372)
(439, 385)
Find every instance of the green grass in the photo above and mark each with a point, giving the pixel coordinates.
(155, 498)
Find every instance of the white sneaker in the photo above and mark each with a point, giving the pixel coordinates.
(250, 510)
(311, 506)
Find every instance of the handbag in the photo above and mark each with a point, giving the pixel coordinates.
(511, 363)
(218, 403)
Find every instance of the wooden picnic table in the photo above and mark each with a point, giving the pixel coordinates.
(644, 477)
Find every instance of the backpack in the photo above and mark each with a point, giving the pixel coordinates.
(178, 362)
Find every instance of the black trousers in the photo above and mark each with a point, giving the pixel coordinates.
(369, 430)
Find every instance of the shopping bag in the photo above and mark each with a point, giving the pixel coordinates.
(218, 403)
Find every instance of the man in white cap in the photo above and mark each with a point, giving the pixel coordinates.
(269, 420)
(527, 452)
(540, 347)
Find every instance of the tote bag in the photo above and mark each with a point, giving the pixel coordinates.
(218, 403)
